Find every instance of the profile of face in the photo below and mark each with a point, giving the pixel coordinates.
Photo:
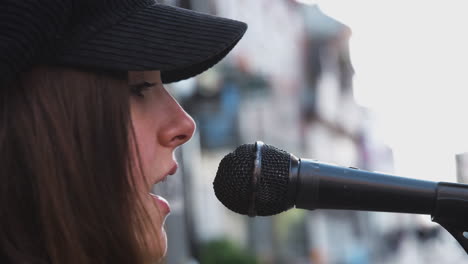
(160, 125)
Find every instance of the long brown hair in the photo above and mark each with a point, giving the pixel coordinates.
(65, 193)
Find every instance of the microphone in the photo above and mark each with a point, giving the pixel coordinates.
(262, 180)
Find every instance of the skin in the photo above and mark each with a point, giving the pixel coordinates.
(161, 125)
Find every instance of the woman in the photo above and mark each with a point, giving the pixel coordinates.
(87, 127)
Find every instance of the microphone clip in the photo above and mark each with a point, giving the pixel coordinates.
(451, 210)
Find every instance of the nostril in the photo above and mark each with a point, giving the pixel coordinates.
(181, 137)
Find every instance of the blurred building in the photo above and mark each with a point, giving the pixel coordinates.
(288, 83)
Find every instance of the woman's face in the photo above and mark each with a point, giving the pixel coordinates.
(160, 126)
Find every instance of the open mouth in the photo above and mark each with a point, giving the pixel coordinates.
(160, 201)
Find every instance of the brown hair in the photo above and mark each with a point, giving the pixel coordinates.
(65, 193)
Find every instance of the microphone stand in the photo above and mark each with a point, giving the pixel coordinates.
(451, 210)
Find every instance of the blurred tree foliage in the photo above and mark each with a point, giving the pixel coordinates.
(225, 252)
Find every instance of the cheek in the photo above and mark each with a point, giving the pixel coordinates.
(146, 145)
(146, 140)
(140, 181)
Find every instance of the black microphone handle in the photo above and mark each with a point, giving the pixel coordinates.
(316, 185)
(324, 186)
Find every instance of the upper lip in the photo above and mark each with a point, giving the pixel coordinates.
(173, 170)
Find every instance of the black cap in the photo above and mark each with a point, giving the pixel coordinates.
(112, 35)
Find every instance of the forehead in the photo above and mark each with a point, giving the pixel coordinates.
(137, 77)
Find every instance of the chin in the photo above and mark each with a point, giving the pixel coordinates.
(158, 248)
(163, 245)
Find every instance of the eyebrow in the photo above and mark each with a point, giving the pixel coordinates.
(139, 77)
(142, 84)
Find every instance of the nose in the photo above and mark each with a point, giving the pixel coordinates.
(179, 127)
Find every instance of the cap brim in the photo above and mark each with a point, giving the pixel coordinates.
(178, 42)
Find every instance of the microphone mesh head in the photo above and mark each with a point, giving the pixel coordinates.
(233, 180)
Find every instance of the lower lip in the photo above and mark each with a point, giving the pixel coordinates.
(162, 203)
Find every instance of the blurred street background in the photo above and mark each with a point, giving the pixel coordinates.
(378, 85)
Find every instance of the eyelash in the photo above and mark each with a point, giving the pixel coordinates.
(138, 89)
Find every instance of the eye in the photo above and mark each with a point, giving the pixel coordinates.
(137, 89)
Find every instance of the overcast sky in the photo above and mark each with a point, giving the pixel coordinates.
(411, 70)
